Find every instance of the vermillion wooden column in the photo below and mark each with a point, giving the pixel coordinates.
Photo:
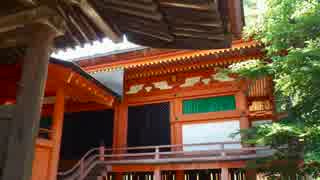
(120, 129)
(180, 175)
(176, 131)
(25, 124)
(242, 106)
(118, 176)
(57, 126)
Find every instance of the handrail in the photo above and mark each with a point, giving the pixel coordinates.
(78, 163)
(45, 133)
(45, 130)
(96, 155)
(140, 148)
(188, 152)
(176, 145)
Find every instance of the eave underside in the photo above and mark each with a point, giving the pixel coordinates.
(177, 24)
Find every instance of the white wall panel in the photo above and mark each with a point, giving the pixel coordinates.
(210, 132)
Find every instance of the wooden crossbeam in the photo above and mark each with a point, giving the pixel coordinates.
(28, 3)
(23, 18)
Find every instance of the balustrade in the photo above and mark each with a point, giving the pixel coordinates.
(157, 154)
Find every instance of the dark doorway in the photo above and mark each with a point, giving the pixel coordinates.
(149, 125)
(83, 131)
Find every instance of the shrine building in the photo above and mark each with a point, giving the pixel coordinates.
(152, 114)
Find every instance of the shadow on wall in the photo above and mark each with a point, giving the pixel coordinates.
(83, 131)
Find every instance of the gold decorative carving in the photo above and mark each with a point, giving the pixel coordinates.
(173, 78)
(221, 77)
(162, 85)
(260, 106)
(148, 88)
(206, 81)
(134, 89)
(189, 82)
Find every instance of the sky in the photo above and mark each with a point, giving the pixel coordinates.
(93, 50)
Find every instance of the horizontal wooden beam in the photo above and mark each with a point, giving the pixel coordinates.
(23, 18)
(29, 3)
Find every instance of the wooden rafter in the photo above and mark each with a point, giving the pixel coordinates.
(87, 8)
(178, 24)
(198, 5)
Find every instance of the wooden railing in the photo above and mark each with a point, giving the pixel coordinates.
(204, 152)
(45, 133)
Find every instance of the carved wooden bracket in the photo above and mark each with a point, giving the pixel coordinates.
(13, 28)
(42, 14)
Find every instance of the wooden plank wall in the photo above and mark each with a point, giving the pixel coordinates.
(42, 159)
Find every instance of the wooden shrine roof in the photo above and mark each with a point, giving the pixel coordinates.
(160, 61)
(179, 24)
(80, 87)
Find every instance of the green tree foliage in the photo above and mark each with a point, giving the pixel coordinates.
(290, 31)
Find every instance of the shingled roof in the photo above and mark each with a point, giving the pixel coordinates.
(148, 58)
(178, 24)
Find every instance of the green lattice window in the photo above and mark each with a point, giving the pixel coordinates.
(45, 127)
(212, 104)
(46, 122)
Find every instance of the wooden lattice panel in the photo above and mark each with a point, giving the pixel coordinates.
(260, 88)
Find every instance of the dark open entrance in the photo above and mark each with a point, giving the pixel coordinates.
(149, 125)
(83, 131)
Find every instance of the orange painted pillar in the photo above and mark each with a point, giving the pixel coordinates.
(176, 126)
(180, 175)
(176, 131)
(120, 129)
(118, 176)
(57, 125)
(242, 105)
